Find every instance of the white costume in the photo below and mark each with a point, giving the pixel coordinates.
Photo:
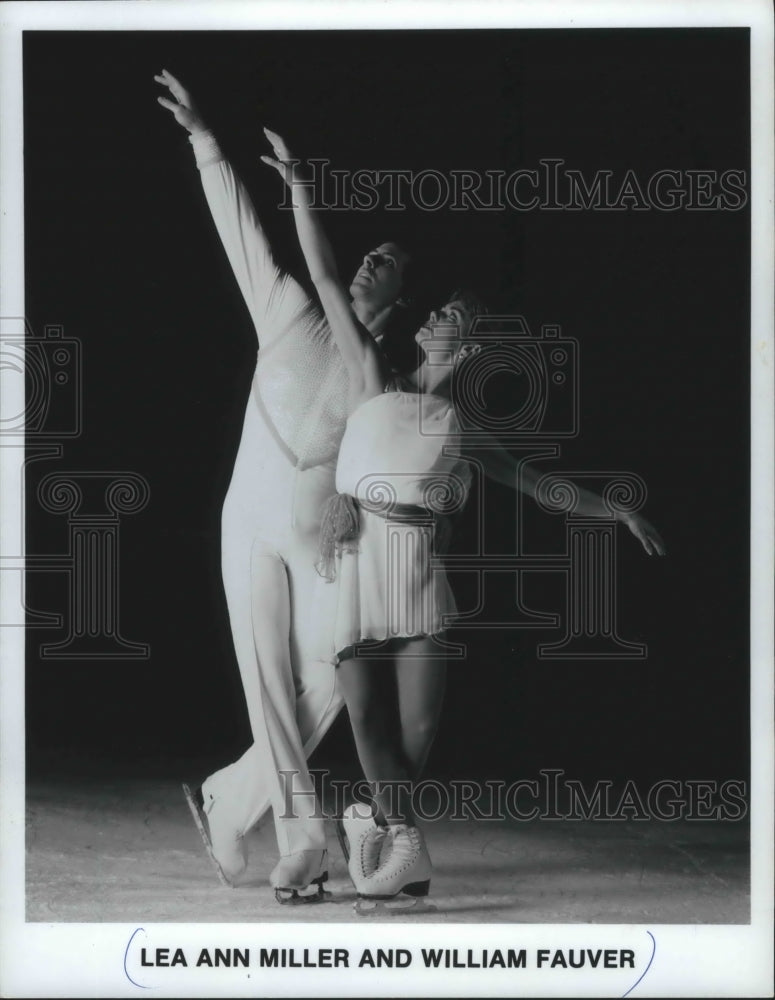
(399, 460)
(283, 474)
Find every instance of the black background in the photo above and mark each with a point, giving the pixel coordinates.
(120, 250)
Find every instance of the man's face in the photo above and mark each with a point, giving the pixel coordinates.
(444, 332)
(380, 277)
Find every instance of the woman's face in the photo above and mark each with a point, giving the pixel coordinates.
(379, 279)
(444, 332)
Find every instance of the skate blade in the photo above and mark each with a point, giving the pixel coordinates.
(396, 907)
(201, 824)
(300, 897)
(342, 838)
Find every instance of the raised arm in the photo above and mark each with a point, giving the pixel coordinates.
(503, 467)
(273, 297)
(365, 363)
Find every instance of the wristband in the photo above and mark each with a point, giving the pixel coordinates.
(206, 149)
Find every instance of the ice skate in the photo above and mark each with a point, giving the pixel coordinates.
(365, 841)
(224, 848)
(294, 874)
(402, 881)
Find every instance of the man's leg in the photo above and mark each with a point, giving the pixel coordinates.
(318, 699)
(238, 796)
(243, 783)
(272, 706)
(234, 798)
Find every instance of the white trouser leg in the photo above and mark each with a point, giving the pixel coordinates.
(318, 699)
(260, 622)
(241, 789)
(237, 796)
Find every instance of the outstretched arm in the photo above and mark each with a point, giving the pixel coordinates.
(364, 361)
(501, 466)
(273, 298)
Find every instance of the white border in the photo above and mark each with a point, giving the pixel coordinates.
(62, 960)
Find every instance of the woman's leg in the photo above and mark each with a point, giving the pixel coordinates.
(369, 691)
(394, 709)
(421, 675)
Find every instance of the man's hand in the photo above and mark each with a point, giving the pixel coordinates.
(183, 108)
(646, 533)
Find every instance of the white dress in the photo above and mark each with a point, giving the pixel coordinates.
(399, 459)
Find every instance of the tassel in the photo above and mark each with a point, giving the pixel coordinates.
(339, 528)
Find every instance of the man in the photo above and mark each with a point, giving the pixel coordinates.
(283, 475)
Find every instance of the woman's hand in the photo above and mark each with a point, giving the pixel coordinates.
(283, 161)
(646, 533)
(183, 108)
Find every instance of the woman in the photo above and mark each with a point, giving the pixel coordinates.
(402, 446)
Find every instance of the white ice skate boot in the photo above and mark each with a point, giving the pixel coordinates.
(294, 873)
(406, 870)
(365, 840)
(225, 848)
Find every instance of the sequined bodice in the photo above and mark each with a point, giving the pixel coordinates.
(300, 385)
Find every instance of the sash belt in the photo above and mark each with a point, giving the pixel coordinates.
(340, 526)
